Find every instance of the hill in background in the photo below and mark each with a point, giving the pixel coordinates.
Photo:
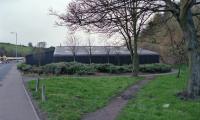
(164, 36)
(9, 50)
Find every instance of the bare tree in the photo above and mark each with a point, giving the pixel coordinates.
(108, 50)
(117, 47)
(110, 16)
(128, 16)
(184, 13)
(89, 47)
(177, 48)
(73, 44)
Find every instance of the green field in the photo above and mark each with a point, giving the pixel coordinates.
(158, 101)
(9, 49)
(69, 98)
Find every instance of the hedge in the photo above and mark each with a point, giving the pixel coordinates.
(72, 68)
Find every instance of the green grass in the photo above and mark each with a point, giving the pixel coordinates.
(69, 98)
(150, 101)
(9, 49)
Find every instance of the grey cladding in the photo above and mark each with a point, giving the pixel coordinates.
(97, 50)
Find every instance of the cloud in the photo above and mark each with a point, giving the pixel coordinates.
(31, 20)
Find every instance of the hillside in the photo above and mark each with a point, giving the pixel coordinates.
(9, 50)
(164, 36)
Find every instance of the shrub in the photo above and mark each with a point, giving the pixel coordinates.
(49, 68)
(72, 68)
(104, 68)
(86, 72)
(86, 69)
(60, 68)
(110, 68)
(55, 68)
(24, 67)
(125, 69)
(38, 70)
(81, 69)
(68, 68)
(155, 68)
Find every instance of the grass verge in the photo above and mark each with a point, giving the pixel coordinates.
(158, 101)
(71, 97)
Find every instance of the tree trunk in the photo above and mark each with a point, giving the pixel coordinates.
(136, 58)
(179, 71)
(118, 59)
(108, 58)
(90, 58)
(90, 52)
(194, 72)
(74, 58)
(193, 47)
(132, 60)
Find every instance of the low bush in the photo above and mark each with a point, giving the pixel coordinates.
(118, 69)
(49, 68)
(110, 68)
(104, 68)
(38, 70)
(24, 67)
(68, 68)
(72, 68)
(155, 68)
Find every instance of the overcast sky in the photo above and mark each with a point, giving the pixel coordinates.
(31, 20)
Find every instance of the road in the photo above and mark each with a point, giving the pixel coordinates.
(14, 102)
(4, 69)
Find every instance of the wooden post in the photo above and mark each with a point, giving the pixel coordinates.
(43, 93)
(37, 85)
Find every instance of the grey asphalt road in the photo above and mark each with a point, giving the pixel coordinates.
(14, 102)
(4, 69)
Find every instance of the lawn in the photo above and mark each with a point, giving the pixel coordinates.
(158, 101)
(69, 98)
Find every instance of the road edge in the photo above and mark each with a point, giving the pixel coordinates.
(29, 99)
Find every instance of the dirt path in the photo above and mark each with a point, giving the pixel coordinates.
(111, 111)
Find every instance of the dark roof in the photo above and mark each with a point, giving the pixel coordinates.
(97, 50)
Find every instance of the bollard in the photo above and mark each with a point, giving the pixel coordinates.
(43, 93)
(37, 85)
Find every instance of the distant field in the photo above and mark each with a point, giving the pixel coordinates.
(9, 49)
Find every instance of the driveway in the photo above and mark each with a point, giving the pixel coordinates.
(14, 102)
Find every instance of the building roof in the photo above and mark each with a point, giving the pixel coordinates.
(97, 50)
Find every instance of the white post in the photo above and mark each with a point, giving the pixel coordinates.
(43, 93)
(16, 46)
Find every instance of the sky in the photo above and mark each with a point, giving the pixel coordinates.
(31, 20)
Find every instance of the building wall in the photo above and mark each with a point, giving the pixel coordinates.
(113, 59)
(46, 58)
